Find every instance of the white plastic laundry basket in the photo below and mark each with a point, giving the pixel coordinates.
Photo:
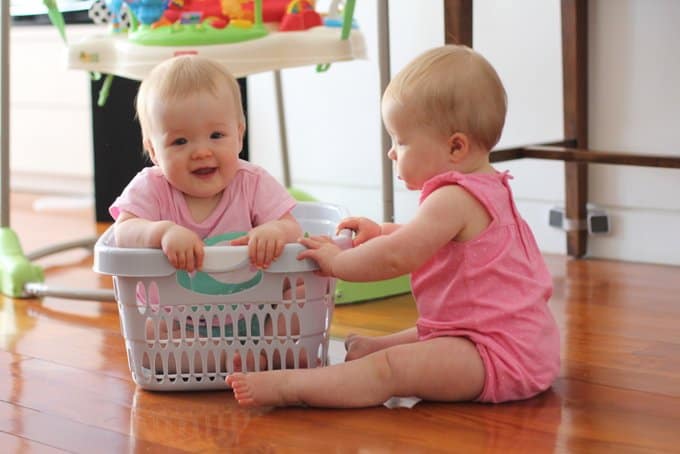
(187, 332)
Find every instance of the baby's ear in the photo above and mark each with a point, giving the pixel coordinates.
(459, 145)
(241, 134)
(148, 147)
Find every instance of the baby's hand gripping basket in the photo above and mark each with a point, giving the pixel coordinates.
(187, 332)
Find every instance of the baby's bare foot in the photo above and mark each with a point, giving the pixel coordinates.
(360, 346)
(260, 388)
(238, 382)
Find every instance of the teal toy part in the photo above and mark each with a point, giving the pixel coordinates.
(144, 11)
(15, 269)
(205, 284)
(215, 240)
(338, 23)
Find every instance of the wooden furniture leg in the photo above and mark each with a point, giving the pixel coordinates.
(458, 22)
(575, 101)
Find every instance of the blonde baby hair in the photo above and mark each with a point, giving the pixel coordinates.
(453, 89)
(183, 76)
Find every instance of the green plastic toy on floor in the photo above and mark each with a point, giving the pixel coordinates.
(15, 269)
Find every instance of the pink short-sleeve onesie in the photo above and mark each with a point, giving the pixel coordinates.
(252, 198)
(494, 291)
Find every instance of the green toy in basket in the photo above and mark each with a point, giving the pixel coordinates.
(356, 292)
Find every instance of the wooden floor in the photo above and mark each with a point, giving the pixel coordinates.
(67, 387)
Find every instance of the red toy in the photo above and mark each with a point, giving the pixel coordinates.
(300, 15)
(190, 11)
(272, 10)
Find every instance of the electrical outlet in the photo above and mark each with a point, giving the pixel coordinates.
(556, 217)
(597, 221)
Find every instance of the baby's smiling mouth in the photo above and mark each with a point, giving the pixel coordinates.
(203, 171)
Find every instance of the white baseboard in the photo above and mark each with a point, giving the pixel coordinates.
(42, 183)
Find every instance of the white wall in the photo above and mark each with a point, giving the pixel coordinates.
(522, 39)
(634, 105)
(50, 114)
(334, 126)
(333, 122)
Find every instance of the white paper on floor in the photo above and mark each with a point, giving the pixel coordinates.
(336, 355)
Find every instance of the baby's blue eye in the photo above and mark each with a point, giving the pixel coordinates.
(216, 135)
(180, 141)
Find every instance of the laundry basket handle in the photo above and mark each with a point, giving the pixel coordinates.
(220, 259)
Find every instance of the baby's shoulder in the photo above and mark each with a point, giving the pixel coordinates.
(451, 197)
(150, 173)
(149, 178)
(248, 170)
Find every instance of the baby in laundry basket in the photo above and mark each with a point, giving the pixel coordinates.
(484, 330)
(192, 121)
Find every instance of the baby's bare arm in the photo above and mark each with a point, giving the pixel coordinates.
(132, 231)
(183, 248)
(438, 220)
(389, 227)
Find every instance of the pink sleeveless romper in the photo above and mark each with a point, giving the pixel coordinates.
(492, 290)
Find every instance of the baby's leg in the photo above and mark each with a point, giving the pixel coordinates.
(440, 369)
(359, 346)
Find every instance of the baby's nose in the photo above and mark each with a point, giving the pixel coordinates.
(201, 152)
